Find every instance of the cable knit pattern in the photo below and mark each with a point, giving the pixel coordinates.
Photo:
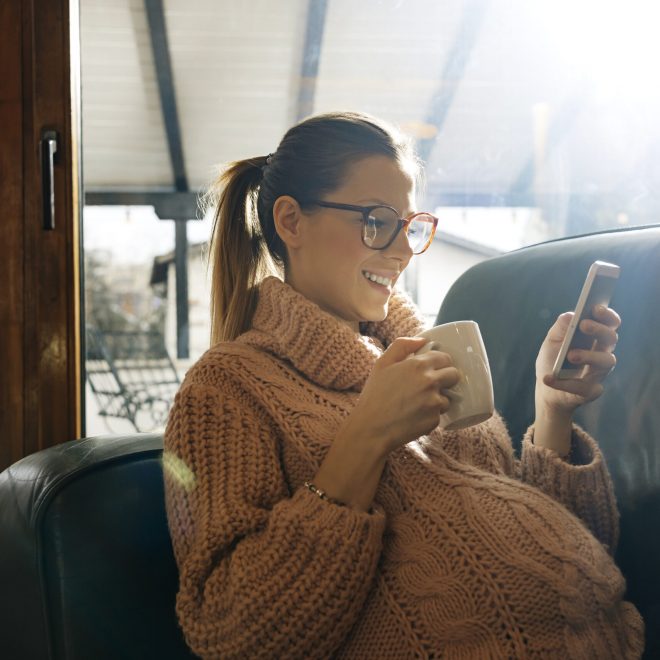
(468, 553)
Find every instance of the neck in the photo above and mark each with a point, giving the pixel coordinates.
(353, 325)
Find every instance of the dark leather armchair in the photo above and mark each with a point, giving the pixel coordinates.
(515, 298)
(86, 565)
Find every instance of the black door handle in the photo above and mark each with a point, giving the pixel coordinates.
(48, 149)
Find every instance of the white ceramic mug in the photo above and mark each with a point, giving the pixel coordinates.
(472, 397)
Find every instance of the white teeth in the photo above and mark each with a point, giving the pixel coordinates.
(385, 281)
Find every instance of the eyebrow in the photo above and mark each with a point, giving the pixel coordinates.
(374, 200)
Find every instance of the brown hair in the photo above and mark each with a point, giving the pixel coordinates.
(311, 160)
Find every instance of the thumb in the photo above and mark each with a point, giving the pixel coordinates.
(558, 329)
(400, 349)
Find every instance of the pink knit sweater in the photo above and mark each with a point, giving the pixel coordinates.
(469, 553)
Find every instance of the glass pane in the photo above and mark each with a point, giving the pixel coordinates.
(381, 224)
(419, 231)
(133, 366)
(534, 121)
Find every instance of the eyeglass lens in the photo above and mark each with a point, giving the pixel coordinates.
(383, 222)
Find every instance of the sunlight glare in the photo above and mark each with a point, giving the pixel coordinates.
(178, 470)
(612, 44)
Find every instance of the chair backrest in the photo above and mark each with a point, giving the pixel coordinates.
(515, 298)
(86, 563)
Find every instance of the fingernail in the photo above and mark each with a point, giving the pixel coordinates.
(575, 357)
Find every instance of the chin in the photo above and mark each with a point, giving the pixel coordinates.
(376, 314)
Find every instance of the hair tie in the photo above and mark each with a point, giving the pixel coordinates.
(269, 157)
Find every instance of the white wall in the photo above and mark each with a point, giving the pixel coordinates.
(437, 269)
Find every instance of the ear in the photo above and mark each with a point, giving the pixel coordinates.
(289, 221)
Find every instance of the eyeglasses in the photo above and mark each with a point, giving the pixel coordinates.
(381, 225)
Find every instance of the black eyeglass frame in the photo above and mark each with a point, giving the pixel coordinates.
(403, 223)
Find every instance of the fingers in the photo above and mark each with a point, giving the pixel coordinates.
(436, 359)
(598, 362)
(440, 369)
(582, 387)
(605, 336)
(602, 327)
(558, 329)
(399, 349)
(446, 378)
(607, 316)
(601, 361)
(441, 403)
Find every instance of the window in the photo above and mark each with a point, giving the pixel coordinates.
(536, 119)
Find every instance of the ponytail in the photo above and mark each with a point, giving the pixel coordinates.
(238, 255)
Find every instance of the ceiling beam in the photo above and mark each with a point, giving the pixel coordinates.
(453, 71)
(163, 66)
(311, 57)
(169, 205)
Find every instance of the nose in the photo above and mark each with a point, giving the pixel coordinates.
(400, 249)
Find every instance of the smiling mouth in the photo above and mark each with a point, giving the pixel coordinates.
(379, 279)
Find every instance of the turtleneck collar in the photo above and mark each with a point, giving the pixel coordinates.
(327, 351)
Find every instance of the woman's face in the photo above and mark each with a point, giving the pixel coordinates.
(330, 264)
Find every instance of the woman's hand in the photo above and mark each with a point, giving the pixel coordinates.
(563, 396)
(401, 400)
(556, 399)
(403, 396)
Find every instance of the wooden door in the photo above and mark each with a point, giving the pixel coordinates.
(40, 340)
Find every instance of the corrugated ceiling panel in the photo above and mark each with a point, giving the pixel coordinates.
(488, 137)
(236, 71)
(236, 68)
(123, 135)
(385, 58)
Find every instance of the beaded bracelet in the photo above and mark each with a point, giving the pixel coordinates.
(317, 491)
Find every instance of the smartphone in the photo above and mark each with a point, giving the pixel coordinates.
(597, 290)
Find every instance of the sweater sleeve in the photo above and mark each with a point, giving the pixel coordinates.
(582, 483)
(262, 573)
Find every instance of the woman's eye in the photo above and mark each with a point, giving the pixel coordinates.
(376, 222)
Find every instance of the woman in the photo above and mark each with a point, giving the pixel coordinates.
(315, 508)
